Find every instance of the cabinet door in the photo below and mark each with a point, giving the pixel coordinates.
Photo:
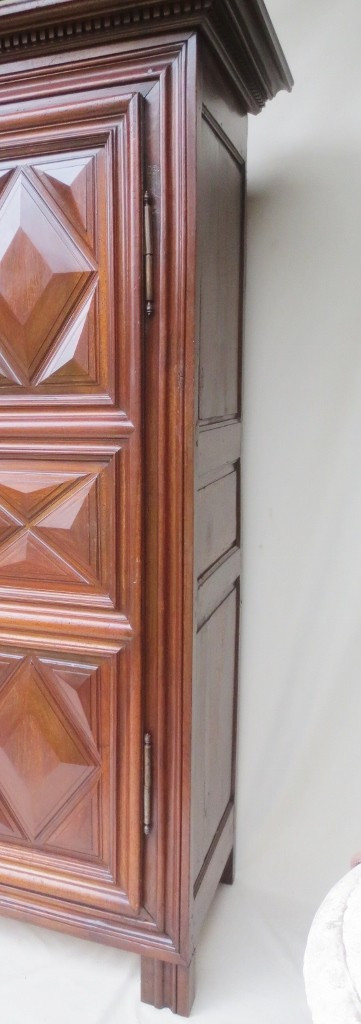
(70, 503)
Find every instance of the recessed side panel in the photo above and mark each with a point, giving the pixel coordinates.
(218, 532)
(221, 211)
(215, 689)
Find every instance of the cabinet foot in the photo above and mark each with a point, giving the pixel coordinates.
(168, 985)
(229, 871)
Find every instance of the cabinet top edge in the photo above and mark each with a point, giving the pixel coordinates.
(240, 31)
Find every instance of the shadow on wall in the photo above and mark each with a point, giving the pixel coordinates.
(304, 218)
(303, 278)
(301, 647)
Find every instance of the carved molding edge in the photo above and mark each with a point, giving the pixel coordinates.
(77, 28)
(240, 33)
(243, 31)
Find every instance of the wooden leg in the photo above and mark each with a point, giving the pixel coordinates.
(229, 871)
(168, 985)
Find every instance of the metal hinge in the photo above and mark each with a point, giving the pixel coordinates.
(148, 254)
(147, 784)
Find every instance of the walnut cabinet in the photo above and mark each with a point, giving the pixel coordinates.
(122, 194)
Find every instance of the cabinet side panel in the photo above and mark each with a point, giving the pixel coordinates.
(219, 276)
(221, 187)
(214, 700)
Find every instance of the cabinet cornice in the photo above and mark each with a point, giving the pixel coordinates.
(239, 31)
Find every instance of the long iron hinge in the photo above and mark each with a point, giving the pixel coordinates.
(147, 784)
(148, 254)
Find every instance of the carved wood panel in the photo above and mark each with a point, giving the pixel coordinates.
(51, 754)
(64, 260)
(70, 512)
(47, 283)
(57, 529)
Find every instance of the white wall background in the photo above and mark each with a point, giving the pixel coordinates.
(300, 739)
(300, 762)
(300, 749)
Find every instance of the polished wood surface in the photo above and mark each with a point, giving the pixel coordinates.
(120, 463)
(70, 515)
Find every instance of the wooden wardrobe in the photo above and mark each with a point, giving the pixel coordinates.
(122, 195)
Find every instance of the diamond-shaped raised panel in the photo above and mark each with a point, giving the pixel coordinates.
(57, 529)
(44, 759)
(54, 753)
(43, 275)
(56, 279)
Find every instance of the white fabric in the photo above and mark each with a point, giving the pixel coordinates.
(299, 815)
(332, 965)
